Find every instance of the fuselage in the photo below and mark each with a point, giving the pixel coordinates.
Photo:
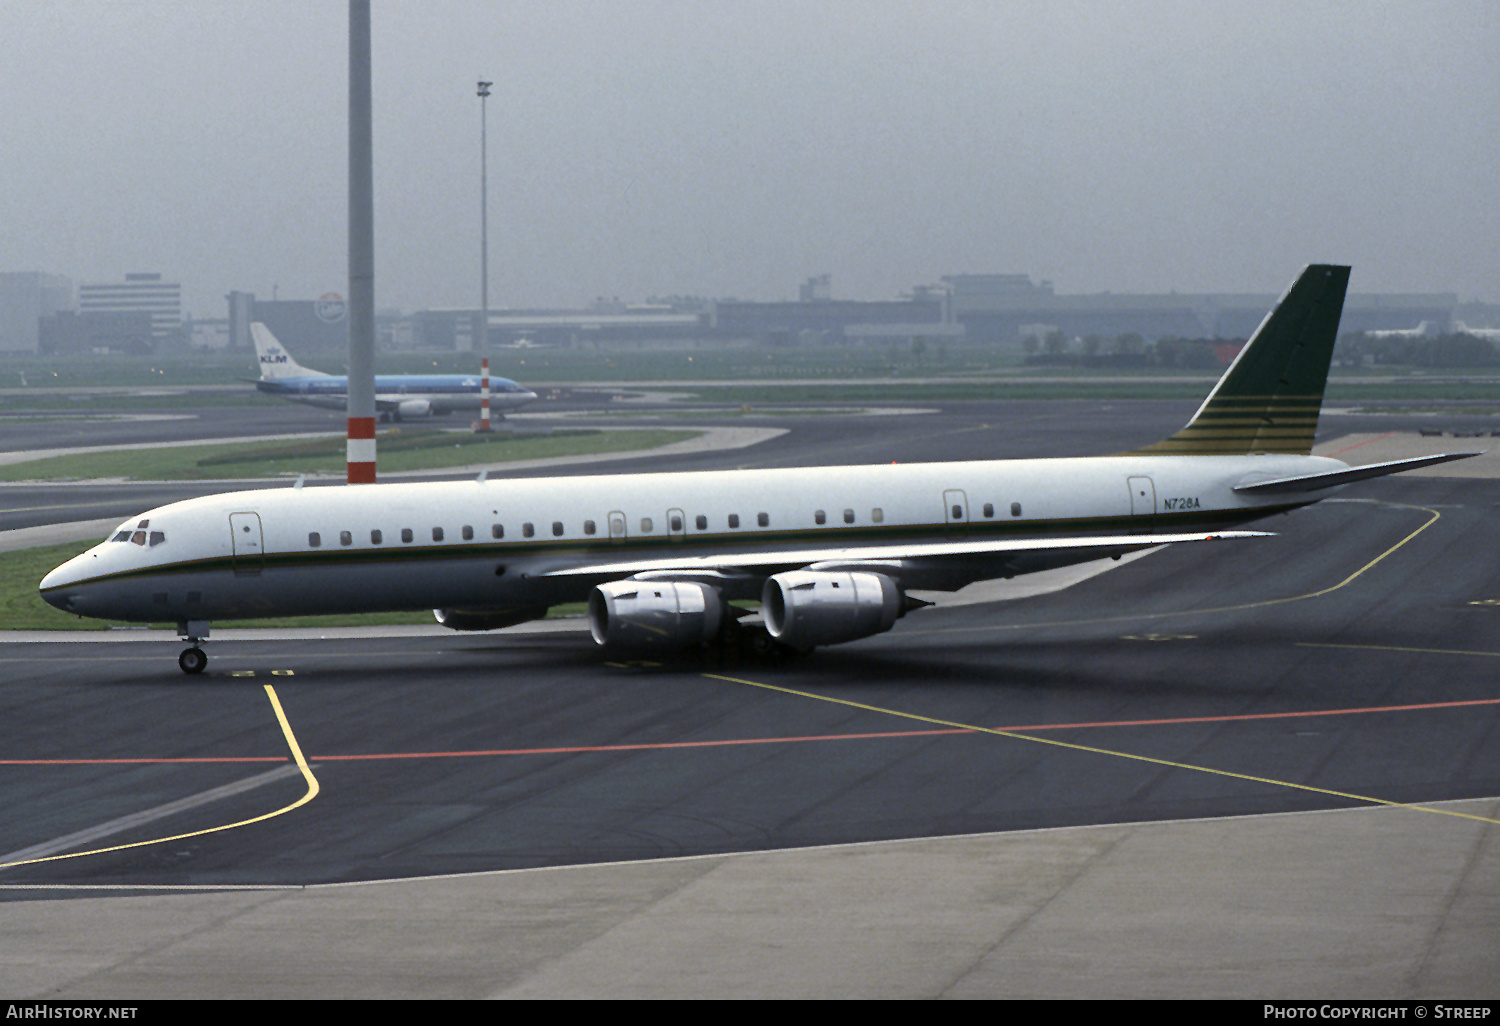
(442, 393)
(498, 543)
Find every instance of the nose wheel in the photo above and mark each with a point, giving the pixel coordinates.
(194, 632)
(192, 660)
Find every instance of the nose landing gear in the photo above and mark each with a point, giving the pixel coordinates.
(195, 632)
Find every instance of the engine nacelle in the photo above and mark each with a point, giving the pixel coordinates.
(414, 407)
(487, 619)
(654, 614)
(804, 608)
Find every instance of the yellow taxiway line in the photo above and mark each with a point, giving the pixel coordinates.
(1091, 748)
(296, 751)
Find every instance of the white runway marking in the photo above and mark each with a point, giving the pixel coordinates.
(117, 826)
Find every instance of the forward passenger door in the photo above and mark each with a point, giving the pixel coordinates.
(246, 544)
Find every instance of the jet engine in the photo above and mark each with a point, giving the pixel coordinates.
(804, 608)
(487, 619)
(413, 408)
(654, 614)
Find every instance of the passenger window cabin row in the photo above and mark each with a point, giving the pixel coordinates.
(591, 528)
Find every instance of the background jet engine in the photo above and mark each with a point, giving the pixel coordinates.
(803, 608)
(654, 614)
(413, 408)
(487, 619)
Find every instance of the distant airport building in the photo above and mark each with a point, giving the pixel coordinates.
(826, 319)
(98, 331)
(609, 322)
(1478, 315)
(1003, 307)
(313, 326)
(817, 317)
(974, 308)
(140, 315)
(140, 293)
(26, 298)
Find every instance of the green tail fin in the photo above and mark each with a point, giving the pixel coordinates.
(1268, 400)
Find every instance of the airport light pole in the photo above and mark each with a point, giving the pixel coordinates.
(361, 401)
(484, 262)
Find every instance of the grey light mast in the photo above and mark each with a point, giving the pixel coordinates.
(483, 328)
(361, 407)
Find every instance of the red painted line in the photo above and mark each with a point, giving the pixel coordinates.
(361, 427)
(1356, 445)
(576, 749)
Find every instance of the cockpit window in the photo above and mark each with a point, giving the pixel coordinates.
(139, 535)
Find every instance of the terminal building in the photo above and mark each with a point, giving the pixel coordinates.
(976, 308)
(139, 315)
(312, 326)
(142, 293)
(1004, 307)
(26, 299)
(646, 324)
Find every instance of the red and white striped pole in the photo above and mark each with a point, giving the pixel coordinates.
(484, 394)
(361, 452)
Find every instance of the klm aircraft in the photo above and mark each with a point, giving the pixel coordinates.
(397, 396)
(830, 552)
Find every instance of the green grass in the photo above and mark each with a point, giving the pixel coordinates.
(22, 609)
(395, 452)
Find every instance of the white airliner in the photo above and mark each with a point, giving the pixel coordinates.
(1420, 331)
(397, 396)
(1488, 334)
(830, 551)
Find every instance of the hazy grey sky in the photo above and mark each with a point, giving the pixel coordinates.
(734, 148)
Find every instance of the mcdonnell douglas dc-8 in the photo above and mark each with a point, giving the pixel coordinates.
(830, 552)
(397, 396)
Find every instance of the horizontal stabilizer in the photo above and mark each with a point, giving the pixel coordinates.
(773, 558)
(1313, 482)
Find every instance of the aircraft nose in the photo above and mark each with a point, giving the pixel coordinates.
(58, 588)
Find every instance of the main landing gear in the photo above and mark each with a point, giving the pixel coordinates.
(738, 643)
(193, 659)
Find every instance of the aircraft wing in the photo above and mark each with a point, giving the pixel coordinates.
(1314, 482)
(771, 560)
